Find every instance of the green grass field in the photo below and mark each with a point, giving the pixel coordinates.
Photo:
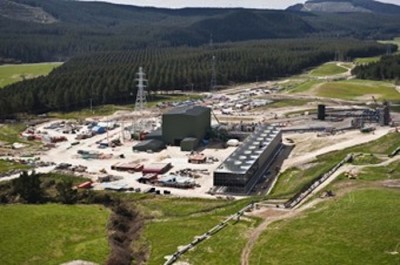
(367, 60)
(52, 234)
(347, 65)
(358, 89)
(359, 228)
(392, 171)
(225, 247)
(17, 72)
(177, 221)
(304, 86)
(328, 69)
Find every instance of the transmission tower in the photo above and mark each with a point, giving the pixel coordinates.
(141, 95)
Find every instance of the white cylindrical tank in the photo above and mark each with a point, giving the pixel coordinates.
(233, 142)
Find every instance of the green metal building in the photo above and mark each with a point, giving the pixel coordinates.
(185, 122)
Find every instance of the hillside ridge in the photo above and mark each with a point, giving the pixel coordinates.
(27, 13)
(346, 6)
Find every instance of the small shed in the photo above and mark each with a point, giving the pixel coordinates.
(153, 145)
(189, 144)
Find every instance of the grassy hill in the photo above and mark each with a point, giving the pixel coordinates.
(328, 69)
(14, 73)
(358, 89)
(359, 228)
(350, 6)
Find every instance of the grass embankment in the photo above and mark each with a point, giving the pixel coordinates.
(358, 89)
(52, 234)
(328, 69)
(6, 166)
(283, 103)
(178, 221)
(389, 172)
(359, 228)
(288, 103)
(14, 73)
(303, 86)
(294, 179)
(224, 247)
(9, 133)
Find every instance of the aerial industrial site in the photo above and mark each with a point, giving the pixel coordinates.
(219, 145)
(199, 132)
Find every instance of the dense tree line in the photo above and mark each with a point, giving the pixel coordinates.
(110, 77)
(388, 68)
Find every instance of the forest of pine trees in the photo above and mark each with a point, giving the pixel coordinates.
(388, 68)
(109, 77)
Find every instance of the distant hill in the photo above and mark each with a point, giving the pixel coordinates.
(56, 30)
(27, 13)
(347, 6)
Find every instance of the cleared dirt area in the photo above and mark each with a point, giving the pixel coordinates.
(305, 152)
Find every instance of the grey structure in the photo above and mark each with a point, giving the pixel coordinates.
(189, 144)
(185, 122)
(152, 144)
(241, 171)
